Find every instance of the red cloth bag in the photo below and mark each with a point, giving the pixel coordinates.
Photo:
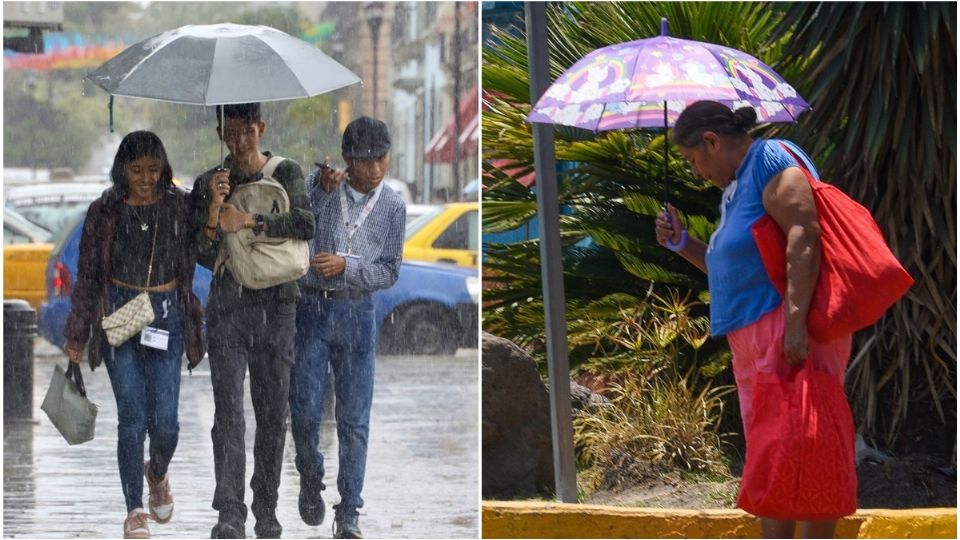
(800, 448)
(859, 276)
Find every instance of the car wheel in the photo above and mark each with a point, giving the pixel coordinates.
(424, 329)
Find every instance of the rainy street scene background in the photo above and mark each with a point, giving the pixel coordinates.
(418, 65)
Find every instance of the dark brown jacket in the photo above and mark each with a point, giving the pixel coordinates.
(92, 289)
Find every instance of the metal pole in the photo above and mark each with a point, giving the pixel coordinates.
(456, 100)
(551, 267)
(375, 89)
(374, 14)
(428, 189)
(222, 128)
(666, 139)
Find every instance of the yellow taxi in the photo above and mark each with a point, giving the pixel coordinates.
(449, 233)
(30, 213)
(25, 253)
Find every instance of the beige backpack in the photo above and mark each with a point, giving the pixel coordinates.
(261, 261)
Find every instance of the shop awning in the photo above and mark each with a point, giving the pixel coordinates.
(440, 149)
(506, 165)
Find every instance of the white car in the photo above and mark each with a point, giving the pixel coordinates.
(55, 205)
(19, 230)
(401, 187)
(416, 210)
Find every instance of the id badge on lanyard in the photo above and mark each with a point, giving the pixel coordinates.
(364, 214)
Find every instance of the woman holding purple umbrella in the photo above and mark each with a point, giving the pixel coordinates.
(764, 329)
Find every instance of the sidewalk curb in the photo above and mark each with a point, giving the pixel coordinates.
(559, 520)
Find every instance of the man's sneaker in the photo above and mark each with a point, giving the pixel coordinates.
(310, 502)
(135, 526)
(161, 499)
(225, 529)
(346, 527)
(268, 526)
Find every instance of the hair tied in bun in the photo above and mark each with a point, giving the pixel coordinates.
(744, 117)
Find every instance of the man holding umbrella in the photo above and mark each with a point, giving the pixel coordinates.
(248, 327)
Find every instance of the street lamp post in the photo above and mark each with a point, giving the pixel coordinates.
(31, 87)
(374, 11)
(456, 99)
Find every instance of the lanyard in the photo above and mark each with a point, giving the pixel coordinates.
(364, 213)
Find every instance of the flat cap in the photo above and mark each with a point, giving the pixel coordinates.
(365, 138)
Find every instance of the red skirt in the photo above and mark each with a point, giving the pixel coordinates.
(798, 426)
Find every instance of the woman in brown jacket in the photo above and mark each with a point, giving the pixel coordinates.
(137, 238)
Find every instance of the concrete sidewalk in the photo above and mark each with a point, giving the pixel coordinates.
(422, 468)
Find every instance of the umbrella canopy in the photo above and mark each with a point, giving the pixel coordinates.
(635, 84)
(220, 64)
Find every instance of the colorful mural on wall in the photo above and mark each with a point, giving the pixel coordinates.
(68, 51)
(77, 51)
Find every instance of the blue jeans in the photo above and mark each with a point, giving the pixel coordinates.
(341, 334)
(146, 384)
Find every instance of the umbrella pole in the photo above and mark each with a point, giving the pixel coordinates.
(221, 136)
(666, 156)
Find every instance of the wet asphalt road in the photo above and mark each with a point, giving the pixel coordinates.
(422, 467)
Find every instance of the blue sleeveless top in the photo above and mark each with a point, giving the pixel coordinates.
(740, 291)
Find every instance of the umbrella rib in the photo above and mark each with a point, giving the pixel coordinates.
(720, 60)
(155, 50)
(269, 37)
(645, 42)
(273, 52)
(213, 62)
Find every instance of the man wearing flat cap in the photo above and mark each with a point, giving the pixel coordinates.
(357, 250)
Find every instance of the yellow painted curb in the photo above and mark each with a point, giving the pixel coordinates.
(558, 520)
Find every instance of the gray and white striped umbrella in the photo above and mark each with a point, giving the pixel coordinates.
(220, 64)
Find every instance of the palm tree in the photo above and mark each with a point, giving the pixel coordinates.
(883, 90)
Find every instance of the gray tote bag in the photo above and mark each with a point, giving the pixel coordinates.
(67, 405)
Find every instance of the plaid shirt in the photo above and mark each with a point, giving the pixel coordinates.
(378, 242)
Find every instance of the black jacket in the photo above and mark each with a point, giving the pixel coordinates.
(92, 289)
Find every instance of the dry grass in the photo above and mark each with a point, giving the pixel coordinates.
(650, 425)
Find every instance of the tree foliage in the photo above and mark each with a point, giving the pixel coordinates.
(47, 122)
(59, 127)
(883, 86)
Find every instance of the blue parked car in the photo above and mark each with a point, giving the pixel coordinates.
(431, 309)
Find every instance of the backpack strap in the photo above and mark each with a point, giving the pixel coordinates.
(271, 166)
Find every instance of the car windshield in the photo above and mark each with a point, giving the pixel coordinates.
(59, 239)
(17, 230)
(421, 221)
(52, 216)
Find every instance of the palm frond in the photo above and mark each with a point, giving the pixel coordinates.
(881, 79)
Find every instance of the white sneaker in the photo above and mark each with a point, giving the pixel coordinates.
(135, 526)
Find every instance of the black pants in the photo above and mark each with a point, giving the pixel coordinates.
(258, 335)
